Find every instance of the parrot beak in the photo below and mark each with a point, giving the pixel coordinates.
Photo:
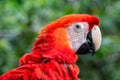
(93, 42)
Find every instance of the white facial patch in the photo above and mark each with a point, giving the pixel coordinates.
(77, 33)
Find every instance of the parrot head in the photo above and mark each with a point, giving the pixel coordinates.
(74, 33)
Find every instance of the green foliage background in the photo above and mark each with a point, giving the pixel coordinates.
(20, 20)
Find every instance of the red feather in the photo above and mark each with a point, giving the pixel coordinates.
(48, 60)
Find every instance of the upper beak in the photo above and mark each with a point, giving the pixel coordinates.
(93, 42)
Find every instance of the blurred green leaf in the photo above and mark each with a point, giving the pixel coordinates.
(20, 20)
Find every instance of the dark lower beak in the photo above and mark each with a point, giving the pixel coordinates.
(87, 47)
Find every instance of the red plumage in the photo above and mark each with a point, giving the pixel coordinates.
(50, 59)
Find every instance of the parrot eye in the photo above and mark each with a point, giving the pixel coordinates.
(77, 28)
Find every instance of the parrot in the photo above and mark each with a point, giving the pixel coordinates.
(56, 49)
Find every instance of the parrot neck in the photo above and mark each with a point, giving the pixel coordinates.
(43, 51)
(36, 56)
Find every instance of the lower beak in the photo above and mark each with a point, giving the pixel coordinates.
(88, 46)
(93, 42)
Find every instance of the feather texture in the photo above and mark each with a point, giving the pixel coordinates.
(51, 59)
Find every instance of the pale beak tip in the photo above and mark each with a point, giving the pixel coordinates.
(97, 37)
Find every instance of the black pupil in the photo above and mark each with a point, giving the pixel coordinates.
(77, 26)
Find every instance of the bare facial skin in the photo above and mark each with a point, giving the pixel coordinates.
(77, 34)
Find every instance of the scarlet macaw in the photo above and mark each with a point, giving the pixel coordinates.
(54, 53)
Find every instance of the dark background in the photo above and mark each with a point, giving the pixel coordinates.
(20, 20)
